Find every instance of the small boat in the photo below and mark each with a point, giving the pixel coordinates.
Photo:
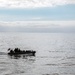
(17, 51)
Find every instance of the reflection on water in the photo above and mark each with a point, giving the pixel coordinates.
(23, 56)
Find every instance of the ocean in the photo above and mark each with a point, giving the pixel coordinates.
(55, 53)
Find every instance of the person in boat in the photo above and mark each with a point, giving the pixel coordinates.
(18, 51)
(11, 51)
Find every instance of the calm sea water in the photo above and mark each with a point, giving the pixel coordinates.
(55, 54)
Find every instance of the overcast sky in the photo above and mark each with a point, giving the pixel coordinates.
(37, 13)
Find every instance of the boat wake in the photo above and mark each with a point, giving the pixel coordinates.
(3, 53)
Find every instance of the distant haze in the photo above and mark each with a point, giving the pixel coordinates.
(38, 26)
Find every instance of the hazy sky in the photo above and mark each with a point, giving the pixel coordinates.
(37, 13)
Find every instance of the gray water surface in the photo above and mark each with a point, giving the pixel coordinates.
(55, 54)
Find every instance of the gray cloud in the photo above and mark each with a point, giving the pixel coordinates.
(33, 3)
